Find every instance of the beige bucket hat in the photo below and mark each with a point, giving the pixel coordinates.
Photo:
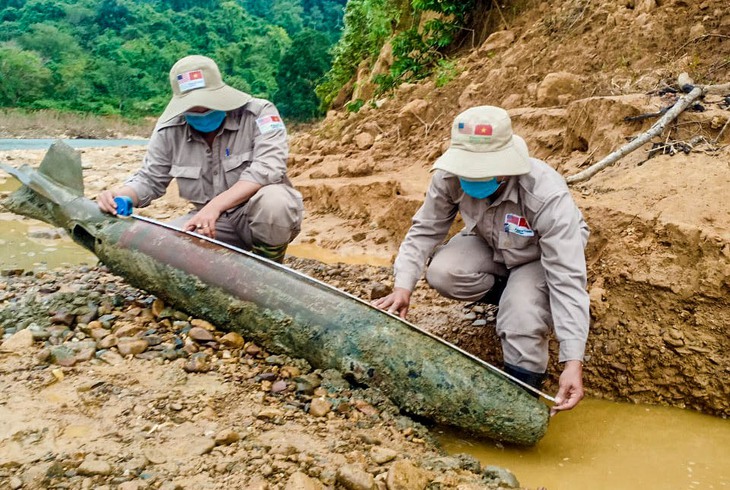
(483, 146)
(196, 81)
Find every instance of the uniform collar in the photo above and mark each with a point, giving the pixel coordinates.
(510, 192)
(231, 123)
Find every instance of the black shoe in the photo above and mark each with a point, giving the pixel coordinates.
(528, 377)
(493, 296)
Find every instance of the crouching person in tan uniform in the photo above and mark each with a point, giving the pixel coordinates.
(228, 152)
(522, 248)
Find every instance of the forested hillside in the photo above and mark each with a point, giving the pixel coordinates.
(113, 56)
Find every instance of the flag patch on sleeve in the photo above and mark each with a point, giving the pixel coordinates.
(518, 225)
(268, 124)
(190, 80)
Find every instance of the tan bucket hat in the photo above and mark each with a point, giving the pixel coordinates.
(483, 146)
(196, 81)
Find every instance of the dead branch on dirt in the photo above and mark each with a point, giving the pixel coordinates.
(496, 4)
(719, 135)
(656, 129)
(430, 125)
(699, 38)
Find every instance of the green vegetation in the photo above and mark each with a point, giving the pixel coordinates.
(419, 48)
(113, 56)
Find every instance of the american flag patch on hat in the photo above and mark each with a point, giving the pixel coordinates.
(190, 80)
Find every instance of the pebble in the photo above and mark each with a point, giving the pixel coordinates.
(278, 386)
(253, 350)
(110, 357)
(232, 340)
(18, 342)
(131, 346)
(202, 324)
(479, 323)
(381, 455)
(300, 481)
(353, 477)
(155, 456)
(92, 466)
(197, 363)
(199, 334)
(227, 437)
(62, 355)
(320, 407)
(404, 475)
(270, 413)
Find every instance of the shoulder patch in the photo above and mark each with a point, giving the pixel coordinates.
(267, 124)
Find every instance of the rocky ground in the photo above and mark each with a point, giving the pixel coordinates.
(106, 387)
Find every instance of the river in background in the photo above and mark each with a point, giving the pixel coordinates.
(45, 143)
(600, 445)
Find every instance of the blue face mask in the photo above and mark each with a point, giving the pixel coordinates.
(205, 122)
(480, 189)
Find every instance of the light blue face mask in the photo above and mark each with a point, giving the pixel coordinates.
(480, 189)
(205, 122)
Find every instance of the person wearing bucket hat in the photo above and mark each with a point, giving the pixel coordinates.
(228, 152)
(521, 248)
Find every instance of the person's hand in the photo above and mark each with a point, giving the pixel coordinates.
(106, 203)
(570, 390)
(203, 222)
(396, 302)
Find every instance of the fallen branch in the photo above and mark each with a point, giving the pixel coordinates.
(656, 129)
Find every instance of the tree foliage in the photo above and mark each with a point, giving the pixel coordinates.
(418, 49)
(113, 56)
(301, 68)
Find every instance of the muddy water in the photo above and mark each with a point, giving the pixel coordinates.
(604, 445)
(19, 251)
(309, 251)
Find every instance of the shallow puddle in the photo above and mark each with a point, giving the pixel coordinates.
(604, 445)
(20, 251)
(310, 251)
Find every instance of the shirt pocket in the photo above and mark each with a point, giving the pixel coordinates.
(234, 166)
(189, 183)
(517, 249)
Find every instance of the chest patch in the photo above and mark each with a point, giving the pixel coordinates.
(268, 124)
(518, 225)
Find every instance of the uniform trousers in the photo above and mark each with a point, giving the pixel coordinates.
(464, 269)
(272, 217)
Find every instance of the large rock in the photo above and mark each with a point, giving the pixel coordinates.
(558, 89)
(403, 475)
(414, 113)
(364, 140)
(300, 481)
(18, 342)
(353, 477)
(497, 41)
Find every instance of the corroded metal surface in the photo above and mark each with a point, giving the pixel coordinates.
(287, 312)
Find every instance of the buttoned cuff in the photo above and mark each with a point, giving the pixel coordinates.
(262, 176)
(406, 282)
(144, 193)
(572, 350)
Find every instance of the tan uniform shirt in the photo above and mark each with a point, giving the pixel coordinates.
(241, 151)
(558, 237)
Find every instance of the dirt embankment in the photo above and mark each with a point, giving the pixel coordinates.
(571, 73)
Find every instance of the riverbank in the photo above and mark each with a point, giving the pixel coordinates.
(137, 394)
(16, 123)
